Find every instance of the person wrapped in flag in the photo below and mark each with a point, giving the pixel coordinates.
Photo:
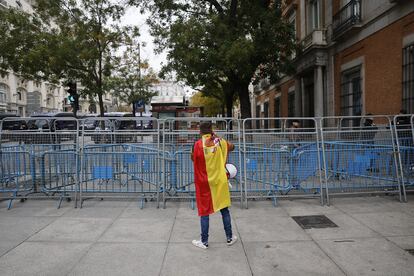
(209, 156)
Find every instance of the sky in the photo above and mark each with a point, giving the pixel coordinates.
(133, 17)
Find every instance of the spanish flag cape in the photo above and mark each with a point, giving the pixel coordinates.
(212, 189)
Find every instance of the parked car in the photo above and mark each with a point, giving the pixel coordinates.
(11, 127)
(10, 124)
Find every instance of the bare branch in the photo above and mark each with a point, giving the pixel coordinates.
(217, 5)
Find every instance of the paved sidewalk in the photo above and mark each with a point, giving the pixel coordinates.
(117, 238)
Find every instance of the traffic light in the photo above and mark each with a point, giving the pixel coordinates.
(73, 97)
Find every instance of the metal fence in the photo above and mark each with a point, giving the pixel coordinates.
(44, 153)
(149, 159)
(281, 158)
(120, 157)
(359, 157)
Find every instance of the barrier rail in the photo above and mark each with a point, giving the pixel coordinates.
(149, 159)
(404, 140)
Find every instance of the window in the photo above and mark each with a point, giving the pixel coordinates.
(313, 15)
(292, 20)
(351, 94)
(277, 111)
(291, 104)
(408, 79)
(20, 94)
(3, 93)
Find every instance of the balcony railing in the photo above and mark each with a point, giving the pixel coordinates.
(347, 17)
(315, 38)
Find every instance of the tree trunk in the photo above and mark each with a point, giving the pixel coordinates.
(244, 97)
(133, 110)
(229, 105)
(223, 110)
(101, 105)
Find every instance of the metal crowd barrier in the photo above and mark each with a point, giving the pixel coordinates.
(121, 158)
(359, 156)
(281, 159)
(404, 140)
(149, 159)
(34, 143)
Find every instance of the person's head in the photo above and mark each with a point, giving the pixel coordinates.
(206, 128)
(369, 120)
(295, 124)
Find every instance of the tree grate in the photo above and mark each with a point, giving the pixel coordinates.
(319, 221)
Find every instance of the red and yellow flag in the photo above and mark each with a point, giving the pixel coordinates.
(212, 190)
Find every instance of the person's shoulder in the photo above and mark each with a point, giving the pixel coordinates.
(196, 143)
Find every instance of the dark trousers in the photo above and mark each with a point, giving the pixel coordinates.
(204, 220)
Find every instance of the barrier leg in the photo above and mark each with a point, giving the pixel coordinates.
(60, 200)
(142, 202)
(192, 204)
(9, 205)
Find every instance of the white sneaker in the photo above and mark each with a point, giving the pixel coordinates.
(199, 244)
(232, 241)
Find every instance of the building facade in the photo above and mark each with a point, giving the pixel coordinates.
(23, 97)
(357, 58)
(171, 100)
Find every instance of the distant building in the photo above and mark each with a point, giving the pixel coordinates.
(23, 97)
(168, 92)
(171, 100)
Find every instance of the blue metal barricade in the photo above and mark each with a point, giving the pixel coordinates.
(120, 169)
(360, 168)
(359, 157)
(118, 157)
(15, 175)
(59, 173)
(281, 158)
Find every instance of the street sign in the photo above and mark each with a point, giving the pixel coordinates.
(140, 106)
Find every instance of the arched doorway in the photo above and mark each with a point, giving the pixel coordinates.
(21, 97)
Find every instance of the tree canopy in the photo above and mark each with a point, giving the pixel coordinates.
(211, 106)
(227, 43)
(133, 78)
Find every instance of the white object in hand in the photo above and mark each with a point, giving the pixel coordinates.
(231, 170)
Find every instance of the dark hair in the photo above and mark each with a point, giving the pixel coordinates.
(206, 127)
(294, 121)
